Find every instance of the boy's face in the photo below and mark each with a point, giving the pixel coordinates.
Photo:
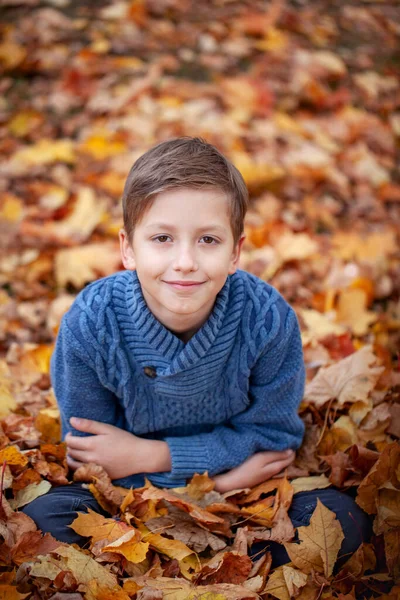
(183, 251)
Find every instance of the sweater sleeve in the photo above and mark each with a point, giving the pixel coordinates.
(80, 393)
(271, 420)
(77, 388)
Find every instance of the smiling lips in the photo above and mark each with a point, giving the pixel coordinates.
(185, 284)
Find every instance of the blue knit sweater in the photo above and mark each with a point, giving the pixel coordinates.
(232, 390)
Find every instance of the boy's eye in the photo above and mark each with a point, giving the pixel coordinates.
(161, 238)
(209, 240)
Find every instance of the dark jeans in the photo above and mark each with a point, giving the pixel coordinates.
(54, 511)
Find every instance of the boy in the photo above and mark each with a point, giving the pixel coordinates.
(182, 363)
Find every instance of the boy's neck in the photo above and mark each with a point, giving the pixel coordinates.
(184, 335)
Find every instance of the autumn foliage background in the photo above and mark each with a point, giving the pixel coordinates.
(304, 98)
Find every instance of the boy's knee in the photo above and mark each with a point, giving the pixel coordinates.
(55, 511)
(355, 523)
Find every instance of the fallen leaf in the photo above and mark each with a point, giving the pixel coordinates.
(46, 151)
(98, 527)
(29, 493)
(349, 380)
(205, 518)
(319, 543)
(130, 545)
(233, 568)
(84, 264)
(306, 484)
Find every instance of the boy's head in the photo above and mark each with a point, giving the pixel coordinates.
(184, 162)
(184, 207)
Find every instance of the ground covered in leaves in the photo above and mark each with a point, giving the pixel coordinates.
(304, 97)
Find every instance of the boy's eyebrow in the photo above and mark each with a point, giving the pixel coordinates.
(173, 228)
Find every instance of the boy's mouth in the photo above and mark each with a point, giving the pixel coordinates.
(185, 284)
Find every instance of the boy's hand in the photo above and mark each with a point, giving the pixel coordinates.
(256, 469)
(119, 452)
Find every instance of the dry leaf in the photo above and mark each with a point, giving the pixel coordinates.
(349, 380)
(319, 543)
(130, 545)
(305, 484)
(98, 527)
(29, 493)
(84, 264)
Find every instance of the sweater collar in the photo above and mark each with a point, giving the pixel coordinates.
(167, 347)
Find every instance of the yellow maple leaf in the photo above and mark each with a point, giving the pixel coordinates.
(351, 311)
(172, 548)
(49, 425)
(129, 545)
(318, 326)
(84, 218)
(370, 248)
(103, 145)
(46, 151)
(98, 527)
(13, 456)
(7, 400)
(320, 542)
(86, 263)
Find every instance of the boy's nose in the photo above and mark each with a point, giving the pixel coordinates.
(185, 260)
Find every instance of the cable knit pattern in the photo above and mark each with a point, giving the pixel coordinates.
(232, 390)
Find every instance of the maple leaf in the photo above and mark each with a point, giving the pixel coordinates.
(349, 380)
(98, 527)
(84, 569)
(207, 519)
(29, 493)
(305, 484)
(232, 568)
(284, 582)
(384, 470)
(180, 589)
(319, 543)
(31, 544)
(185, 529)
(131, 545)
(107, 495)
(84, 264)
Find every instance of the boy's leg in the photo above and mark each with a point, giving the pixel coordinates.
(356, 524)
(57, 509)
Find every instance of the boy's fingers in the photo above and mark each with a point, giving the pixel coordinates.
(77, 442)
(272, 457)
(73, 464)
(277, 466)
(89, 426)
(77, 455)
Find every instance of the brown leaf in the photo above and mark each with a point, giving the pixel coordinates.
(319, 542)
(180, 589)
(392, 551)
(207, 519)
(31, 544)
(233, 568)
(107, 495)
(383, 470)
(182, 527)
(349, 380)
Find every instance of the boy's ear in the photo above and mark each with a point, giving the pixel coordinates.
(236, 255)
(127, 255)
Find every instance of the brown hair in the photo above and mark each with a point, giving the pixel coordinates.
(183, 162)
